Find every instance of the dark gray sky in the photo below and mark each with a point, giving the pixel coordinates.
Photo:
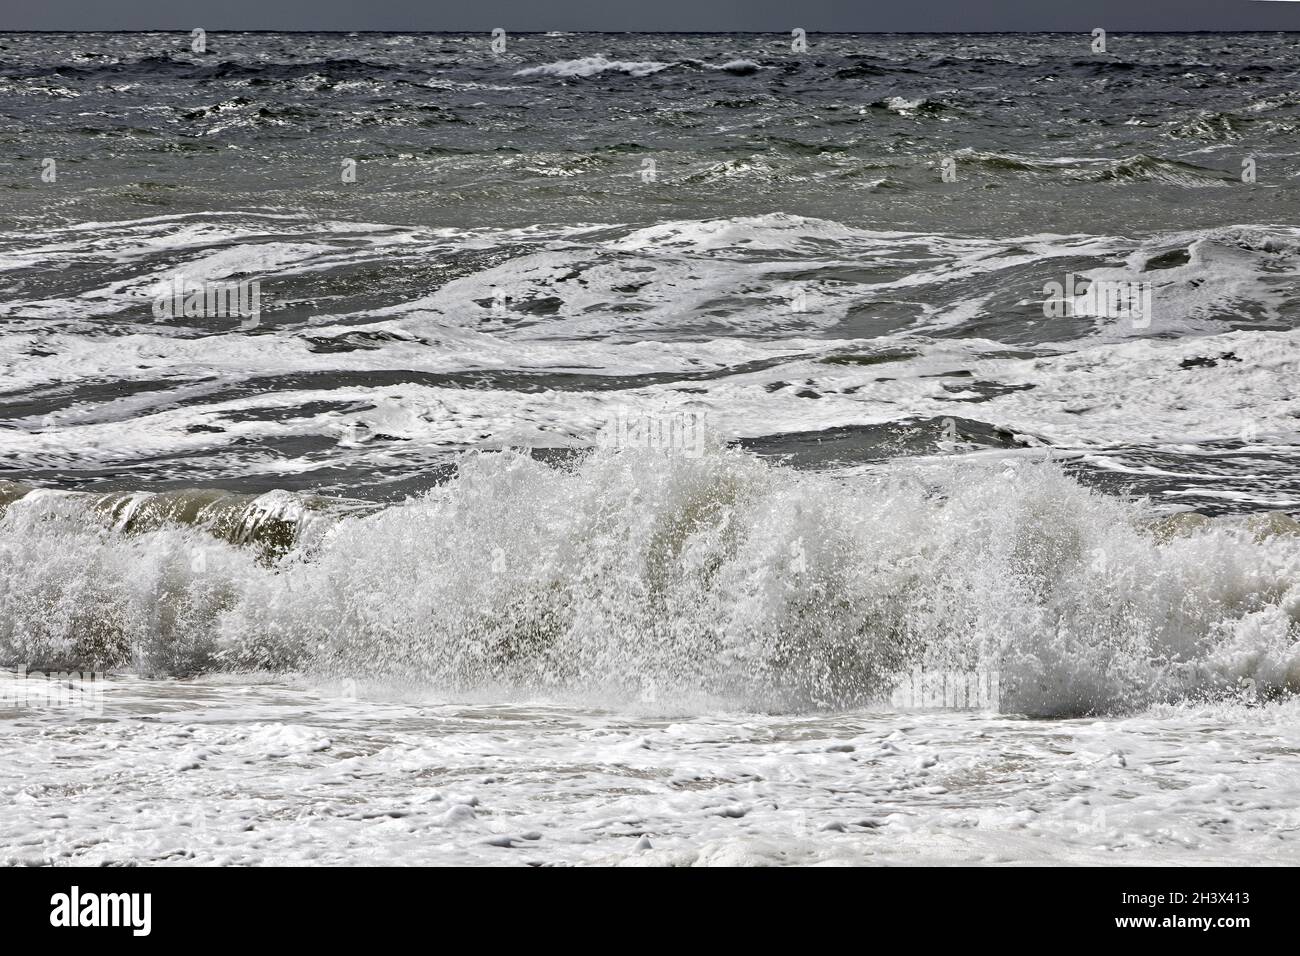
(704, 15)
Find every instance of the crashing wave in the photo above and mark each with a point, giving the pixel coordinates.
(719, 578)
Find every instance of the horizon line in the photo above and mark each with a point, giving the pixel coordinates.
(779, 32)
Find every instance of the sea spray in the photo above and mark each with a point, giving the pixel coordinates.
(719, 578)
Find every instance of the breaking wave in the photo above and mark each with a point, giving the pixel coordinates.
(594, 65)
(721, 578)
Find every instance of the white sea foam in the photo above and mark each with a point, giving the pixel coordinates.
(592, 65)
(1136, 392)
(710, 300)
(700, 298)
(251, 769)
(903, 106)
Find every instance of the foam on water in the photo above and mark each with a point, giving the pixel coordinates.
(592, 65)
(385, 349)
(712, 581)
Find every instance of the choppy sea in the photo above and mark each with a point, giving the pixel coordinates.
(649, 448)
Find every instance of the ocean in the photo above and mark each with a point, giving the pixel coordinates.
(649, 448)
